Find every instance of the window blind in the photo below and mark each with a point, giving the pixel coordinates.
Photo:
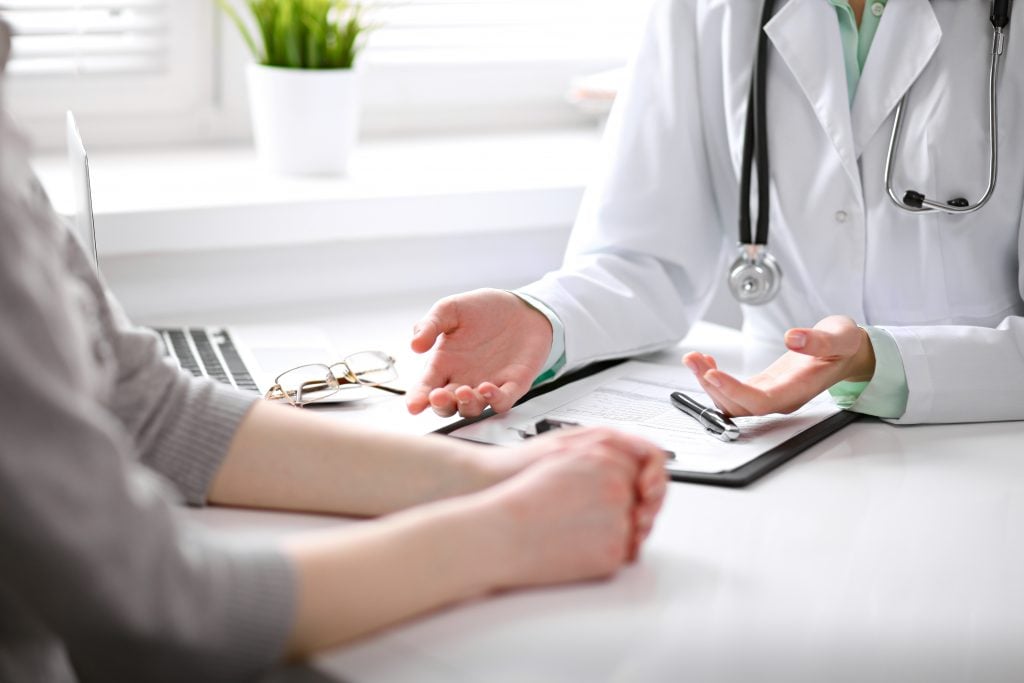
(503, 30)
(88, 36)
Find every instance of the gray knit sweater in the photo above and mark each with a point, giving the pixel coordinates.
(100, 577)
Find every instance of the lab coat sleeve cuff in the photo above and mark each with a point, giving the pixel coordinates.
(886, 394)
(918, 375)
(555, 361)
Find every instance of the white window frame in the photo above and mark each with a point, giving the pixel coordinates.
(205, 100)
(520, 91)
(117, 109)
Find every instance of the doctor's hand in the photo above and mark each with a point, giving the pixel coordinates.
(832, 351)
(489, 346)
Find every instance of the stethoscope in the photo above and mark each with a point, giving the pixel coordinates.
(755, 276)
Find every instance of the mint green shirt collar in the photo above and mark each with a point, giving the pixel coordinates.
(856, 41)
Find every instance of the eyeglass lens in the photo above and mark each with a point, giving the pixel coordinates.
(367, 367)
(316, 382)
(308, 384)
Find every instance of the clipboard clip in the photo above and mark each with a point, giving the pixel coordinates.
(547, 424)
(543, 425)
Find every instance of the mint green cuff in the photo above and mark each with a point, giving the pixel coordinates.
(556, 357)
(845, 394)
(887, 392)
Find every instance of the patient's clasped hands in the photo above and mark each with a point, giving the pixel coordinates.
(580, 503)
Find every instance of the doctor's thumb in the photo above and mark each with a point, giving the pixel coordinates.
(420, 342)
(811, 342)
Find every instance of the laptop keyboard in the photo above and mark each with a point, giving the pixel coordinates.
(207, 353)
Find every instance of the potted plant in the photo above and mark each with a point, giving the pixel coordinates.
(303, 85)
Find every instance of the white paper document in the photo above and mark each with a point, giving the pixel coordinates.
(634, 397)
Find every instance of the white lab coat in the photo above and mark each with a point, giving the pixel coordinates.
(659, 225)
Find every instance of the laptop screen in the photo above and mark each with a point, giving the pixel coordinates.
(78, 162)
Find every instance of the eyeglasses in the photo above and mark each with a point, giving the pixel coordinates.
(311, 383)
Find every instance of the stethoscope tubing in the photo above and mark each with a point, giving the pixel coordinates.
(755, 276)
(930, 205)
(755, 142)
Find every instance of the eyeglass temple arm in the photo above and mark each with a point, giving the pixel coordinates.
(393, 390)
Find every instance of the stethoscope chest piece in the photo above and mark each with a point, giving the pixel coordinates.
(755, 276)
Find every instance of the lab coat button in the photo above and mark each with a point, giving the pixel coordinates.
(841, 216)
(877, 8)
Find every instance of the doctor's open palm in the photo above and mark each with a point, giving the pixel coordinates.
(834, 350)
(489, 345)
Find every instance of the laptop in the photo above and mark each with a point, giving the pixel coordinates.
(247, 358)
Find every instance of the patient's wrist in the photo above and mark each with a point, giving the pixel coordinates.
(483, 536)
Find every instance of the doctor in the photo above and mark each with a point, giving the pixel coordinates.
(938, 297)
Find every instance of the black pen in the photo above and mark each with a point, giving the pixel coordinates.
(713, 421)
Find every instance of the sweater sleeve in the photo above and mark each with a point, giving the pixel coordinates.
(90, 543)
(182, 426)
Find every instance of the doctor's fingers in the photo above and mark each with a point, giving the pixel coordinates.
(722, 401)
(443, 401)
(503, 397)
(700, 367)
(832, 338)
(417, 399)
(785, 397)
(695, 359)
(470, 402)
(418, 396)
(440, 319)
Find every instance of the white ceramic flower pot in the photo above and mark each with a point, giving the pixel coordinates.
(304, 121)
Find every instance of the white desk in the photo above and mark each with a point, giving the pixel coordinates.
(883, 553)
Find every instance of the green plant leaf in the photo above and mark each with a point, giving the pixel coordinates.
(316, 36)
(311, 34)
(288, 36)
(265, 12)
(229, 10)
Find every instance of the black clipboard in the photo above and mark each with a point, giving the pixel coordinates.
(737, 478)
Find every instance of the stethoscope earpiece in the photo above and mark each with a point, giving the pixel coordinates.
(755, 276)
(914, 201)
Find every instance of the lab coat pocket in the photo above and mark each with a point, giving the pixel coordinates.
(979, 250)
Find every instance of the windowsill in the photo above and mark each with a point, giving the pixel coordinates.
(201, 199)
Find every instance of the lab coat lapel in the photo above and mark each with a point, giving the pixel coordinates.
(805, 34)
(907, 37)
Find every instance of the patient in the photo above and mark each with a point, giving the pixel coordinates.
(102, 579)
